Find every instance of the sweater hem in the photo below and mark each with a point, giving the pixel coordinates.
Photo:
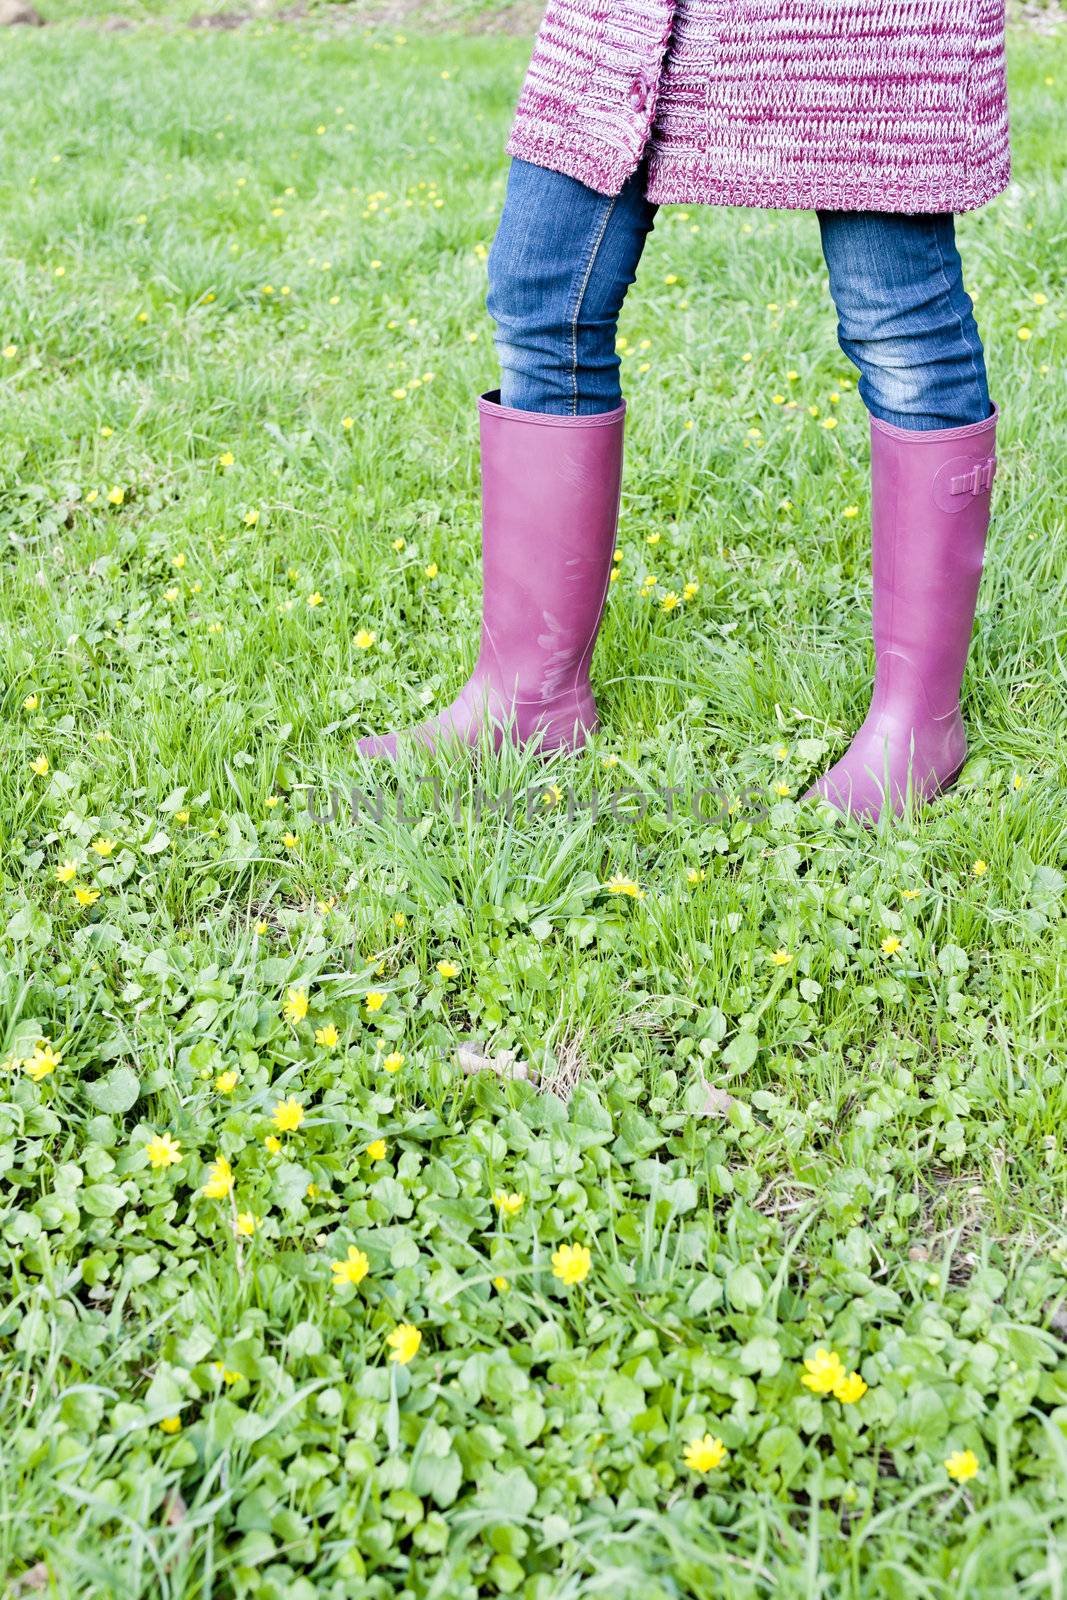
(575, 154)
(693, 182)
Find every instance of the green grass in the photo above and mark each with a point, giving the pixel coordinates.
(888, 1175)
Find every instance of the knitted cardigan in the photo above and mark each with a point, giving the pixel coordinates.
(879, 105)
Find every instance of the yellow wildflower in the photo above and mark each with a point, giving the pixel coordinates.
(353, 1269)
(404, 1343)
(571, 1263)
(163, 1151)
(220, 1179)
(704, 1455)
(824, 1371)
(962, 1466)
(287, 1115)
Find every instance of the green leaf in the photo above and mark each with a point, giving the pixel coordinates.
(741, 1052)
(744, 1289)
(116, 1092)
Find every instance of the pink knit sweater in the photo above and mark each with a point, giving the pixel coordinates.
(882, 105)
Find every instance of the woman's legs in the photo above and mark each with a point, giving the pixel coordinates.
(905, 319)
(559, 268)
(551, 450)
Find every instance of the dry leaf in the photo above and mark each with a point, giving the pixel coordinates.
(35, 1577)
(472, 1058)
(716, 1102)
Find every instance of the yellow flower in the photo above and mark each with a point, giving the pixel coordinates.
(571, 1263)
(824, 1372)
(39, 765)
(220, 1179)
(227, 1374)
(962, 1466)
(103, 847)
(448, 969)
(262, 927)
(781, 957)
(296, 1005)
(1017, 781)
(226, 458)
(500, 1284)
(851, 511)
(10, 352)
(891, 945)
(782, 790)
(909, 894)
(393, 1061)
(43, 1061)
(327, 1037)
(163, 1151)
(695, 874)
(404, 1343)
(849, 1390)
(226, 1082)
(704, 1455)
(251, 517)
(669, 601)
(829, 422)
(272, 1144)
(271, 801)
(314, 599)
(287, 1115)
(245, 1224)
(30, 703)
(346, 423)
(980, 868)
(1025, 333)
(432, 570)
(171, 1425)
(67, 870)
(116, 495)
(364, 639)
(509, 1205)
(353, 1269)
(376, 1150)
(86, 897)
(619, 884)
(375, 1000)
(291, 841)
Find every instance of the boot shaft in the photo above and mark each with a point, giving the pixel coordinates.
(929, 517)
(550, 504)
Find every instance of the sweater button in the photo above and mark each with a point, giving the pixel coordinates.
(638, 94)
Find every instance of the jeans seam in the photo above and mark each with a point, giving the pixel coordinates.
(590, 263)
(959, 318)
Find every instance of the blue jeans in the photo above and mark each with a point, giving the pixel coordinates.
(564, 256)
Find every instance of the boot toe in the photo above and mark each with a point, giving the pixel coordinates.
(378, 747)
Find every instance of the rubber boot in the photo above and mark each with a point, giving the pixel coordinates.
(930, 515)
(550, 507)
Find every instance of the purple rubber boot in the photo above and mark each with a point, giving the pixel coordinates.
(550, 506)
(929, 517)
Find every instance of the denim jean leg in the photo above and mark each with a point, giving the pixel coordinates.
(904, 317)
(562, 260)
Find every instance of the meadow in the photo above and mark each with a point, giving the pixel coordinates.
(654, 1185)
